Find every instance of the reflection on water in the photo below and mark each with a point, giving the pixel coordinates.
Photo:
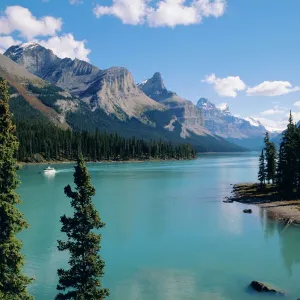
(49, 175)
(163, 284)
(288, 237)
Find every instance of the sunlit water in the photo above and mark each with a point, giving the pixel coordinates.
(168, 234)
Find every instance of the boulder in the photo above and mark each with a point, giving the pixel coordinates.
(265, 288)
(228, 201)
(247, 211)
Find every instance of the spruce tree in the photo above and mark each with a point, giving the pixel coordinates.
(271, 163)
(13, 283)
(261, 171)
(289, 159)
(270, 151)
(280, 166)
(82, 280)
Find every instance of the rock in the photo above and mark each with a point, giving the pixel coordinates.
(247, 211)
(265, 288)
(228, 201)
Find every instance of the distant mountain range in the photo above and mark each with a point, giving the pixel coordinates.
(75, 94)
(244, 132)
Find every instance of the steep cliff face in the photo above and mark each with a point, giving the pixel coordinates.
(113, 89)
(224, 124)
(115, 92)
(184, 110)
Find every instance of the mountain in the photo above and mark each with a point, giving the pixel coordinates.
(110, 100)
(247, 132)
(35, 96)
(112, 90)
(183, 110)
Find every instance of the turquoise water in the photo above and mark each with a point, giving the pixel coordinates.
(168, 234)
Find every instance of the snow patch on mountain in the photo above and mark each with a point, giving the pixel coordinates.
(253, 121)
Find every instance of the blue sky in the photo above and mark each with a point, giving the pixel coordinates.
(241, 52)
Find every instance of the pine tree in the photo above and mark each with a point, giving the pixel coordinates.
(82, 280)
(261, 171)
(13, 283)
(270, 151)
(280, 167)
(289, 159)
(271, 163)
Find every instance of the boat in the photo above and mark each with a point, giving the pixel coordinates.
(49, 170)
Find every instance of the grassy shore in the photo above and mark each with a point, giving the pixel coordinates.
(269, 199)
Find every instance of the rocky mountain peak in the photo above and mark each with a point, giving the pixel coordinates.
(205, 104)
(226, 110)
(155, 88)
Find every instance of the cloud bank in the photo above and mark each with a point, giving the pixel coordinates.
(165, 13)
(231, 85)
(19, 21)
(272, 88)
(226, 87)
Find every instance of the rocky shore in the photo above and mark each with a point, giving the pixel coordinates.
(267, 198)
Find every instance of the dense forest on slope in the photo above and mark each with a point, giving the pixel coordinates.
(41, 140)
(85, 120)
(44, 141)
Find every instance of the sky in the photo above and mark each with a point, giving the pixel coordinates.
(241, 52)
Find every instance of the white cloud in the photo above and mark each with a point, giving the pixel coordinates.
(129, 11)
(297, 104)
(173, 12)
(165, 13)
(272, 88)
(75, 2)
(20, 19)
(273, 111)
(6, 42)
(228, 86)
(222, 106)
(66, 46)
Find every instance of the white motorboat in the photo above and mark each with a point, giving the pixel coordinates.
(49, 170)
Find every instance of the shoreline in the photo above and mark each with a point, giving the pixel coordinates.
(287, 211)
(100, 161)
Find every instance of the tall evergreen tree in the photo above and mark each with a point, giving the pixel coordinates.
(261, 171)
(82, 280)
(289, 159)
(13, 283)
(270, 151)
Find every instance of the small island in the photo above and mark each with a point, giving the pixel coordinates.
(278, 190)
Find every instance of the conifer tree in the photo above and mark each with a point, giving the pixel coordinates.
(13, 283)
(270, 151)
(289, 159)
(82, 280)
(280, 166)
(261, 171)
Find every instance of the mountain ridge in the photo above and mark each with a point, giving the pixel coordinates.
(110, 100)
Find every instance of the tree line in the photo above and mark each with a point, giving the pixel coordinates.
(282, 168)
(53, 143)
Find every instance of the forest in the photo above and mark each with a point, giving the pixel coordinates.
(282, 168)
(45, 142)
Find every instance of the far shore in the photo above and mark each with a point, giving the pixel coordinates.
(287, 211)
(100, 161)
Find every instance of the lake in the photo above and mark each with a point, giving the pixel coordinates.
(168, 235)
